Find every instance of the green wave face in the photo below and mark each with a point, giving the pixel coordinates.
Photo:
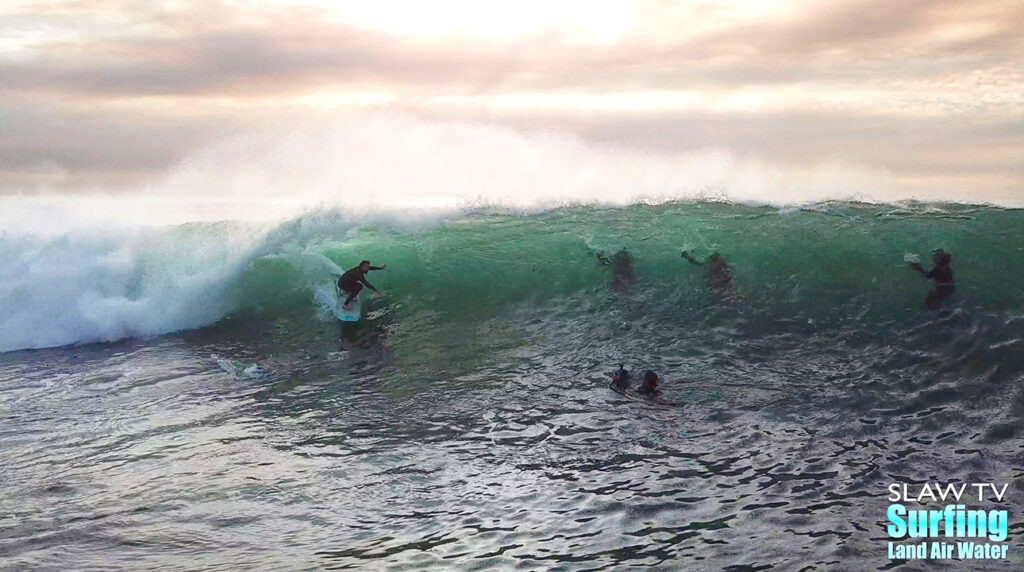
(810, 262)
(818, 294)
(484, 278)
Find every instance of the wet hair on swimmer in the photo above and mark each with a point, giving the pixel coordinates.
(364, 262)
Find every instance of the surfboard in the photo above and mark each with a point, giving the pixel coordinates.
(352, 315)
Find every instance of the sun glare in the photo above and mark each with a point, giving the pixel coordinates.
(595, 21)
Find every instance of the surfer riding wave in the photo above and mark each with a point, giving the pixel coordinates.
(352, 282)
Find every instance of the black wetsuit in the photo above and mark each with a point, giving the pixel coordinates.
(352, 283)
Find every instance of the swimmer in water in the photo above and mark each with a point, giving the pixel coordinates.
(622, 269)
(620, 379)
(718, 272)
(942, 274)
(650, 383)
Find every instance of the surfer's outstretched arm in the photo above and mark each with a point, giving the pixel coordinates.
(368, 285)
(917, 266)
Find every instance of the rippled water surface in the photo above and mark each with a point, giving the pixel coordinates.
(155, 456)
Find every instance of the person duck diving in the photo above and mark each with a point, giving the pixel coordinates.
(352, 282)
(622, 269)
(719, 275)
(942, 274)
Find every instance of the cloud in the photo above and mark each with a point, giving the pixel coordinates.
(116, 92)
(223, 51)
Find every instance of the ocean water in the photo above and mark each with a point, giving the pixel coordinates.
(177, 397)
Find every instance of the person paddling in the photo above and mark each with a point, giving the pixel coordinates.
(352, 282)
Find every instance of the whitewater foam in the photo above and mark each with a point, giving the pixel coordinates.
(97, 281)
(105, 284)
(380, 161)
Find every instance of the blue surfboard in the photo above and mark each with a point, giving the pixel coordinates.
(352, 315)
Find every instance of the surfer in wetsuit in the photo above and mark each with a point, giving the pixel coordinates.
(719, 273)
(622, 269)
(352, 282)
(942, 274)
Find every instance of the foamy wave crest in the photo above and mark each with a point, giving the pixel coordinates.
(109, 283)
(381, 161)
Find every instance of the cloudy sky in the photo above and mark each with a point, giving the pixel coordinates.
(114, 94)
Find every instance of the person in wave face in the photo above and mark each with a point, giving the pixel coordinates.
(942, 274)
(622, 269)
(719, 273)
(352, 282)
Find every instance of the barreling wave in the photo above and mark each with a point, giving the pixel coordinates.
(825, 264)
